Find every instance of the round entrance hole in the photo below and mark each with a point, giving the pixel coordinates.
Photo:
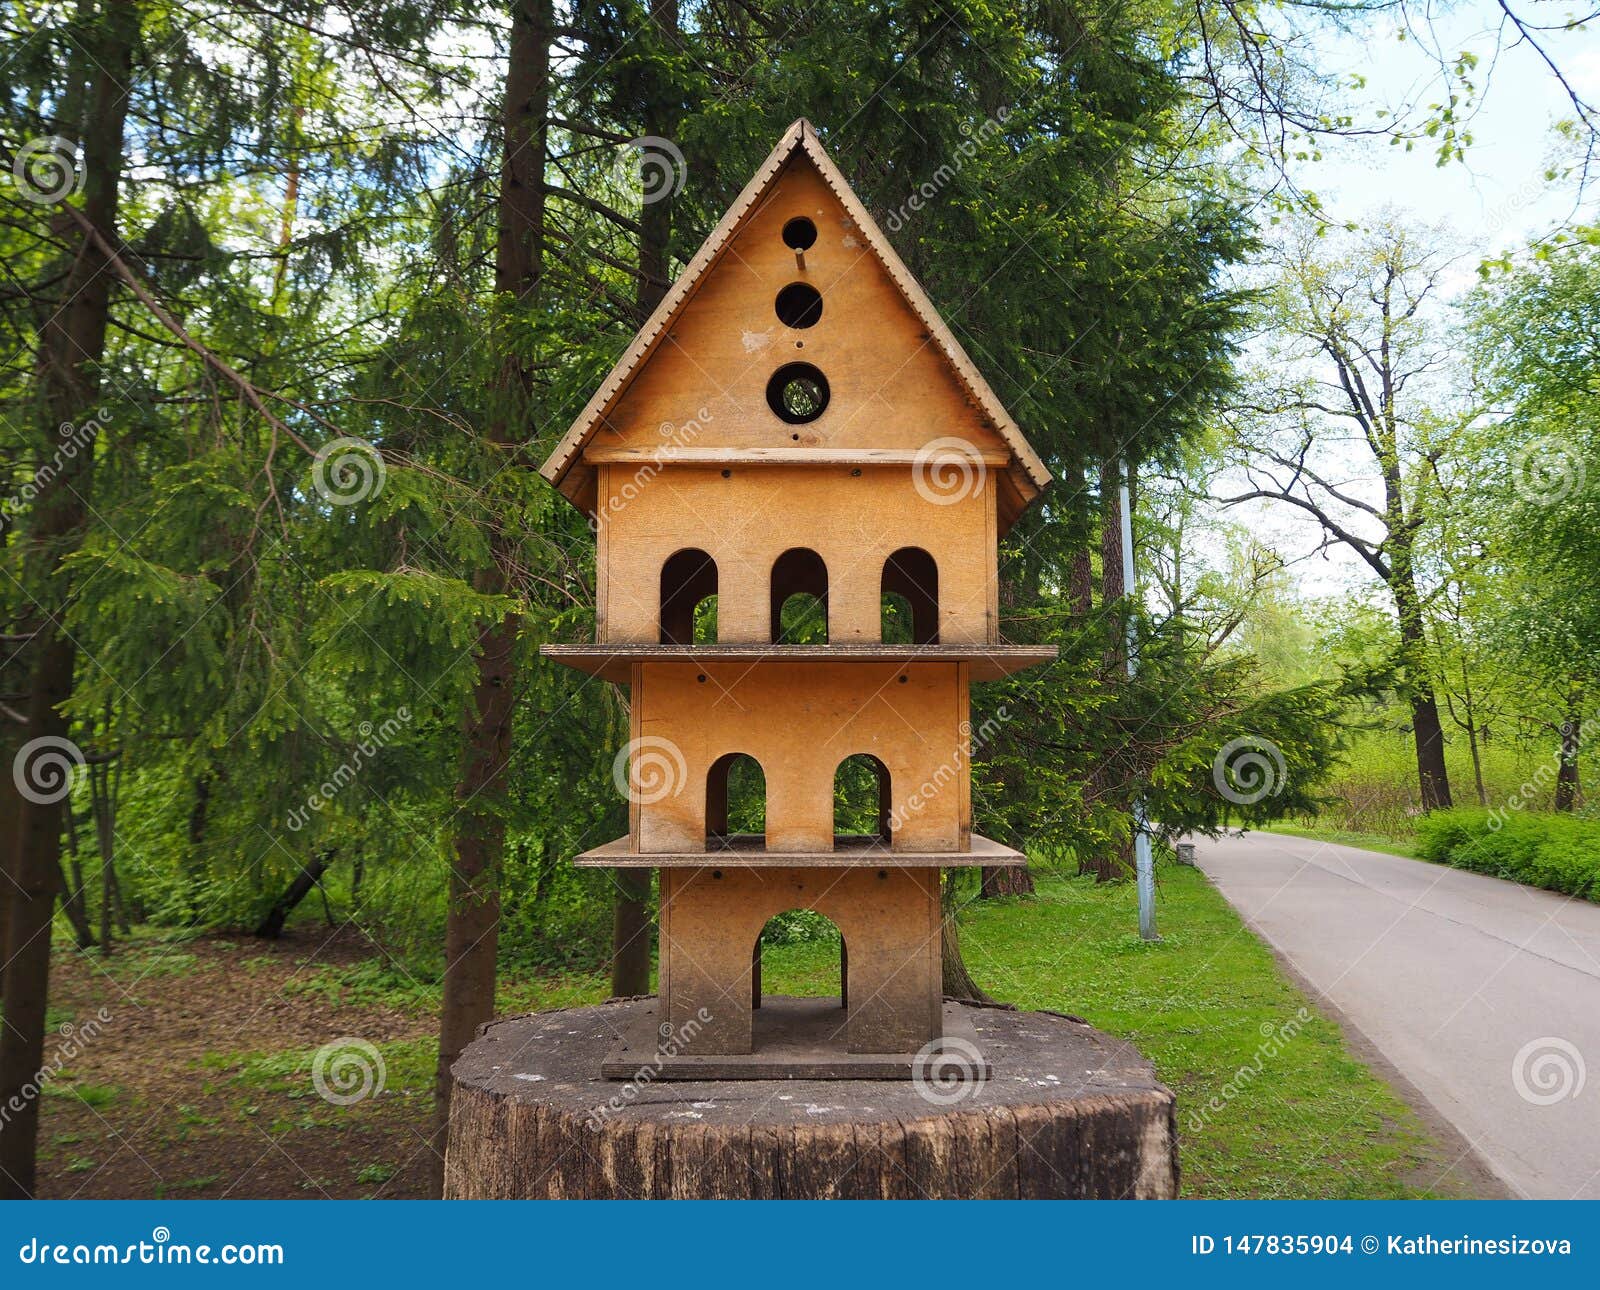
(799, 233)
(798, 393)
(799, 305)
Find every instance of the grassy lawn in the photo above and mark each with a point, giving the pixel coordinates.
(1383, 842)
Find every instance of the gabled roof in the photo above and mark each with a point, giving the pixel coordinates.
(1028, 473)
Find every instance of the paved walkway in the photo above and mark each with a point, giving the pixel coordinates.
(1485, 995)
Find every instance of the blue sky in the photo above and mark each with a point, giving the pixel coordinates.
(1499, 198)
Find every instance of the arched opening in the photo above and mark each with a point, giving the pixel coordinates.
(784, 959)
(689, 599)
(736, 804)
(909, 598)
(801, 577)
(862, 803)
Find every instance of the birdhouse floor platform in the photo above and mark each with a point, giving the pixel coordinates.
(614, 662)
(1068, 1113)
(793, 1039)
(748, 851)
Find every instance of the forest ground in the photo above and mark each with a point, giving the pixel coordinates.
(199, 1083)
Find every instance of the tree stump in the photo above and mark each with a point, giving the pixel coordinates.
(1069, 1113)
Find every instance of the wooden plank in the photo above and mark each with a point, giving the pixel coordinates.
(727, 456)
(795, 1038)
(746, 853)
(612, 662)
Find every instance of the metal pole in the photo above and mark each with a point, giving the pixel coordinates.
(1143, 864)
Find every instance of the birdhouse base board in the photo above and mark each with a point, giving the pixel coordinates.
(796, 1039)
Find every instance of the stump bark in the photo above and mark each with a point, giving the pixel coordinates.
(1069, 1113)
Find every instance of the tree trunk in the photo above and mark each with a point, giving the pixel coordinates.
(1069, 1113)
(1006, 880)
(1571, 739)
(75, 905)
(958, 982)
(195, 861)
(1432, 777)
(71, 345)
(310, 875)
(473, 917)
(1109, 865)
(1080, 583)
(630, 924)
(1113, 583)
(103, 797)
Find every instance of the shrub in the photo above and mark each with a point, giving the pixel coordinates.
(1556, 852)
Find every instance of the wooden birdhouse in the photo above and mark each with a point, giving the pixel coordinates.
(798, 481)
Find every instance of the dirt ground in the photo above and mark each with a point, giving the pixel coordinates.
(230, 1109)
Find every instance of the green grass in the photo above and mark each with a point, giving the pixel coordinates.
(1348, 838)
(1269, 1102)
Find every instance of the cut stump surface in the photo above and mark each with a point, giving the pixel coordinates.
(1069, 1113)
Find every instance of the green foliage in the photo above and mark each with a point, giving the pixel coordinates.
(1554, 852)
